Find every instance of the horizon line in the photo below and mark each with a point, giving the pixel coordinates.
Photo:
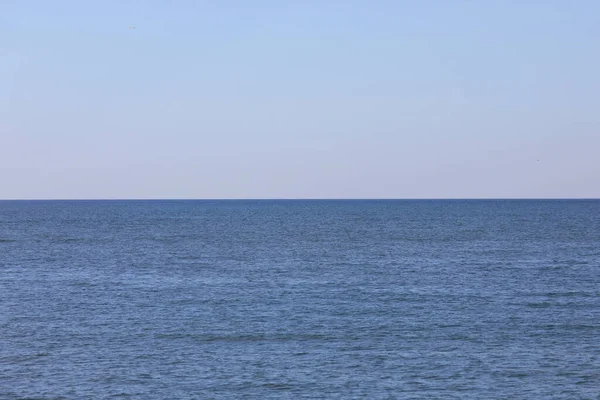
(299, 198)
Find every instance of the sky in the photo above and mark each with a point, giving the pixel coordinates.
(119, 99)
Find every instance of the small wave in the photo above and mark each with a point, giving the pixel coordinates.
(569, 294)
(72, 240)
(83, 284)
(277, 386)
(542, 304)
(40, 398)
(521, 375)
(208, 338)
(569, 327)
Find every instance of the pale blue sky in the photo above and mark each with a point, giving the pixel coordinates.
(299, 99)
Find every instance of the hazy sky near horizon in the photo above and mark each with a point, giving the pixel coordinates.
(299, 99)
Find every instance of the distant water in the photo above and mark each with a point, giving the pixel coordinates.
(300, 299)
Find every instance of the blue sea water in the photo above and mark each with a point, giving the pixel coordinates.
(300, 299)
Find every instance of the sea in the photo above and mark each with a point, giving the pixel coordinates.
(300, 299)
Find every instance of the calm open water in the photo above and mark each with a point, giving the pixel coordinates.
(300, 299)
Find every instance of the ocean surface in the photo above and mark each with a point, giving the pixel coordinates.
(265, 299)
